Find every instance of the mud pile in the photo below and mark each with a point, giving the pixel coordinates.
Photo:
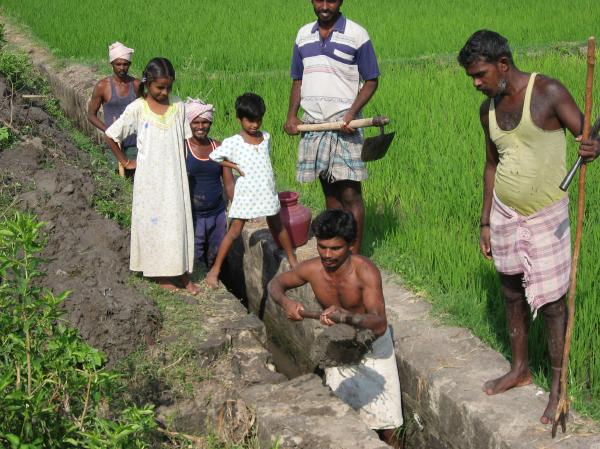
(86, 253)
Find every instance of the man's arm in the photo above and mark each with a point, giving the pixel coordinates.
(136, 86)
(570, 117)
(489, 175)
(292, 122)
(94, 106)
(373, 301)
(230, 165)
(283, 282)
(364, 95)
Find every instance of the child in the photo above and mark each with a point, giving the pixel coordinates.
(206, 189)
(162, 233)
(255, 194)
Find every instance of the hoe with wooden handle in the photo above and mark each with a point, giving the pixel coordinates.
(373, 148)
(345, 318)
(562, 410)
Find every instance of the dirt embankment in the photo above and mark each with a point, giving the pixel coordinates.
(87, 254)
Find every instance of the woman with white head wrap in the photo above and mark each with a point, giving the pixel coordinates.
(207, 179)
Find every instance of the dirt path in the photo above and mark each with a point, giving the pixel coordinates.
(87, 254)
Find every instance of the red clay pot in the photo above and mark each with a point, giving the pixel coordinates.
(295, 217)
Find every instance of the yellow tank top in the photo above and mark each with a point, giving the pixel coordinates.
(532, 161)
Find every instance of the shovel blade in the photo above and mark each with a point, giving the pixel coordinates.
(374, 148)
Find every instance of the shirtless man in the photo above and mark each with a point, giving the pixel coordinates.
(525, 218)
(114, 93)
(345, 282)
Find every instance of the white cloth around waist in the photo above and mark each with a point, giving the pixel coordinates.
(372, 387)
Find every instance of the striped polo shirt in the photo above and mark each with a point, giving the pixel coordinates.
(332, 70)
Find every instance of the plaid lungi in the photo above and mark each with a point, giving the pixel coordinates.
(539, 246)
(332, 155)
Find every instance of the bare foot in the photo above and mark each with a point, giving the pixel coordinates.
(510, 380)
(189, 285)
(212, 279)
(167, 284)
(549, 413)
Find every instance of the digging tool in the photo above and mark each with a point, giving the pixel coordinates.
(345, 318)
(373, 148)
(562, 409)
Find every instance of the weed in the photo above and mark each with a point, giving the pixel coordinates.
(53, 388)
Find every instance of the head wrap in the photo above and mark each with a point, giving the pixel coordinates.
(118, 50)
(197, 108)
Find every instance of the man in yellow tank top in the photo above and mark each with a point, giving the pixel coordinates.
(524, 219)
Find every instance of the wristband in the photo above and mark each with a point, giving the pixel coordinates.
(484, 225)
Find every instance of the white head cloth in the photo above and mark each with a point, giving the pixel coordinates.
(118, 50)
(197, 108)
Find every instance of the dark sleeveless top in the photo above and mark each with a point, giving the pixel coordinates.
(206, 189)
(115, 107)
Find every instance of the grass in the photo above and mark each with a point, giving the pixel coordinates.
(423, 199)
(172, 361)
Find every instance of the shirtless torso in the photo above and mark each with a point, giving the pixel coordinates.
(342, 282)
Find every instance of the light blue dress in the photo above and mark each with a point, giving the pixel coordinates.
(255, 193)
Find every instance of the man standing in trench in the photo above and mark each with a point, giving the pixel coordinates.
(334, 74)
(343, 282)
(525, 217)
(114, 93)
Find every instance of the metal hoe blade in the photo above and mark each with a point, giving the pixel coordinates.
(375, 148)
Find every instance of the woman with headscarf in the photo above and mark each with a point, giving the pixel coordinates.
(207, 179)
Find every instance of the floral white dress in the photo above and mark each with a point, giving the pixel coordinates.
(162, 232)
(255, 194)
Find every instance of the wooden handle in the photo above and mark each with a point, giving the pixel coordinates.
(345, 318)
(563, 406)
(121, 170)
(335, 317)
(336, 126)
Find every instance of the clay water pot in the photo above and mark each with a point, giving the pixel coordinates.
(295, 217)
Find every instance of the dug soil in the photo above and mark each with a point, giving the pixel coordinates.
(86, 253)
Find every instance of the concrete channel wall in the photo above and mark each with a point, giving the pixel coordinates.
(441, 368)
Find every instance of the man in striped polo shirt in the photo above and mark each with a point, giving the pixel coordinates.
(335, 73)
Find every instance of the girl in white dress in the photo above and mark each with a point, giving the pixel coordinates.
(162, 233)
(255, 194)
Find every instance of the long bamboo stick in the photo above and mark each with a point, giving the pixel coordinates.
(562, 410)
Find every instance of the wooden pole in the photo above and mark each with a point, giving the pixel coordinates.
(562, 410)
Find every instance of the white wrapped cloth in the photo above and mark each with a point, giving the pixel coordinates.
(372, 387)
(118, 50)
(197, 108)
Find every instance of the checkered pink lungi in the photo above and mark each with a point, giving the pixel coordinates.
(539, 246)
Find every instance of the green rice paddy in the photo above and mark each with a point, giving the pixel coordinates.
(423, 200)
